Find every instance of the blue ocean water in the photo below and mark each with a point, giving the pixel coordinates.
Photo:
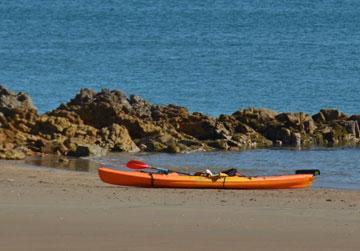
(211, 56)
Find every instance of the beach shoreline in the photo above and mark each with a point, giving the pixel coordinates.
(43, 208)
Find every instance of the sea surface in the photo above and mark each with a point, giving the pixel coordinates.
(210, 56)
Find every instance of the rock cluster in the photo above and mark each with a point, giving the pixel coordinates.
(93, 123)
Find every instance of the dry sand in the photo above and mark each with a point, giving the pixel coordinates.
(49, 209)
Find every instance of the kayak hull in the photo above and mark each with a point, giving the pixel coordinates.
(174, 180)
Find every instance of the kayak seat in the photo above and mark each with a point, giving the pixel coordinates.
(231, 172)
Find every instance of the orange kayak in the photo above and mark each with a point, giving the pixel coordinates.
(175, 180)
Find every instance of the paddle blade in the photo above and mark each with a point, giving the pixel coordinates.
(137, 164)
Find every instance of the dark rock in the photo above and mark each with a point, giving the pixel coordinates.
(117, 139)
(330, 137)
(15, 103)
(309, 126)
(326, 115)
(340, 133)
(3, 120)
(173, 148)
(218, 144)
(355, 117)
(355, 126)
(84, 97)
(351, 127)
(88, 150)
(49, 125)
(170, 113)
(98, 109)
(282, 134)
(139, 128)
(161, 143)
(71, 116)
(152, 145)
(319, 118)
(203, 127)
(140, 107)
(299, 121)
(258, 119)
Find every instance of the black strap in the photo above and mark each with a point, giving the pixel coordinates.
(152, 179)
(224, 182)
(230, 172)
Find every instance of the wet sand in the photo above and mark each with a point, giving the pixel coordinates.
(52, 209)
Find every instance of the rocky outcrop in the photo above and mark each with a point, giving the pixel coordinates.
(13, 104)
(117, 138)
(17, 117)
(93, 123)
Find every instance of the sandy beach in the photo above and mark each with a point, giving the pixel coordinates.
(52, 209)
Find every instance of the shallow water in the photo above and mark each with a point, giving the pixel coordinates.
(340, 168)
